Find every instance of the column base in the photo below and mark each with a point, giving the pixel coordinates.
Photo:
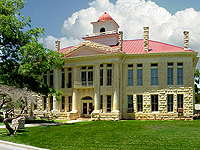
(73, 115)
(116, 115)
(95, 115)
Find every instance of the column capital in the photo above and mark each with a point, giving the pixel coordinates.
(116, 63)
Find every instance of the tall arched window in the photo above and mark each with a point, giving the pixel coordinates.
(102, 30)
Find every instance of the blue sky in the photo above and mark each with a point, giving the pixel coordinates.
(69, 20)
(50, 14)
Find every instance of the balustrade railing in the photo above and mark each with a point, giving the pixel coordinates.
(102, 33)
(83, 84)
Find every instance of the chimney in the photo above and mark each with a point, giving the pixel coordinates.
(120, 40)
(57, 46)
(146, 38)
(186, 40)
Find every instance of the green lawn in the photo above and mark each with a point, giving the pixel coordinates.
(112, 135)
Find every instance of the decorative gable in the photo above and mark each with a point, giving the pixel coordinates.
(89, 48)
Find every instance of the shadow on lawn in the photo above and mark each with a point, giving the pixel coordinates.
(5, 133)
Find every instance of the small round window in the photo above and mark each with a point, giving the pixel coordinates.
(102, 29)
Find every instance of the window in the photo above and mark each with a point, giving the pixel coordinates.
(102, 29)
(109, 74)
(154, 74)
(130, 75)
(154, 102)
(69, 84)
(87, 98)
(130, 101)
(45, 77)
(139, 75)
(101, 101)
(87, 76)
(63, 103)
(101, 74)
(139, 103)
(180, 73)
(51, 102)
(70, 103)
(45, 102)
(170, 74)
(170, 103)
(51, 79)
(180, 100)
(130, 104)
(108, 103)
(63, 78)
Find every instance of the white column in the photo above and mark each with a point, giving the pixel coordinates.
(55, 85)
(96, 87)
(55, 79)
(74, 99)
(54, 103)
(74, 102)
(116, 87)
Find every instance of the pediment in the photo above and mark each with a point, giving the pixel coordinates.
(85, 51)
(87, 48)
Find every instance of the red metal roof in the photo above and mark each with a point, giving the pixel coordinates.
(136, 46)
(65, 49)
(105, 16)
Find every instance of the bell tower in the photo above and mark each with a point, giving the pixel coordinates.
(105, 31)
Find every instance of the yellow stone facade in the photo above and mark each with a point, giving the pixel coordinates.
(119, 90)
(95, 81)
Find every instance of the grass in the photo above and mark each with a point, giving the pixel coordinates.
(112, 135)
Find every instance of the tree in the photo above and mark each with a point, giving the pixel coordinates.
(196, 82)
(14, 98)
(22, 58)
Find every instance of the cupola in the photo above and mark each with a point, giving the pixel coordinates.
(105, 31)
(104, 17)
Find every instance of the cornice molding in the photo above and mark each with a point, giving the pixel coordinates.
(118, 53)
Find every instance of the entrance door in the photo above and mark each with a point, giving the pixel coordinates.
(84, 108)
(87, 109)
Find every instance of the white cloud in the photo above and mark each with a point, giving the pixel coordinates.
(50, 42)
(132, 16)
(64, 42)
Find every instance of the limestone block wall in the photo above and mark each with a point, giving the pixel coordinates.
(162, 104)
(146, 89)
(162, 89)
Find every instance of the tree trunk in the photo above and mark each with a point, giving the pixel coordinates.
(8, 127)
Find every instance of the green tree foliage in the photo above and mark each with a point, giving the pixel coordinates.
(22, 58)
(196, 81)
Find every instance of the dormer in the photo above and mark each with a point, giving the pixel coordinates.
(105, 31)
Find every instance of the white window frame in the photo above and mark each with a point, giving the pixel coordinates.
(154, 78)
(87, 71)
(139, 75)
(139, 103)
(130, 75)
(170, 103)
(153, 103)
(170, 75)
(180, 76)
(109, 75)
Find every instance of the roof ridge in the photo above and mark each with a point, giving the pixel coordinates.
(157, 42)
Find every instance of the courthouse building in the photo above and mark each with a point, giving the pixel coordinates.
(108, 78)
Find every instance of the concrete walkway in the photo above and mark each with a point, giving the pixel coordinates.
(51, 124)
(4, 145)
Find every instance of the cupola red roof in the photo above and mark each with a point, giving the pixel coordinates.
(104, 17)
